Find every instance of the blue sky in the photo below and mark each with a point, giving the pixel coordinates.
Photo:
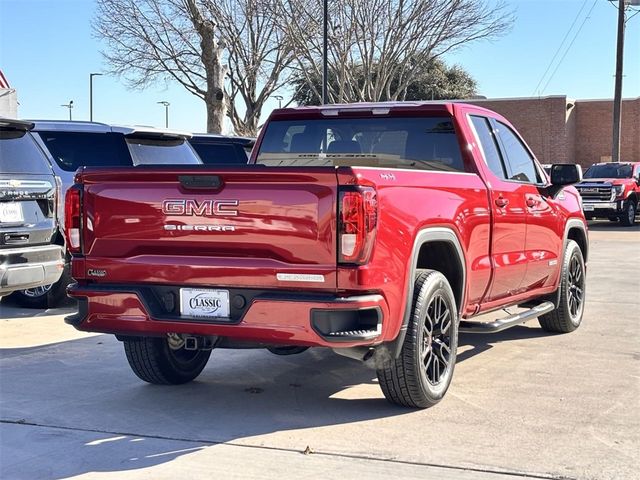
(47, 52)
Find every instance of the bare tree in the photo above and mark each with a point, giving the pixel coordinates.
(149, 40)
(229, 53)
(258, 57)
(388, 39)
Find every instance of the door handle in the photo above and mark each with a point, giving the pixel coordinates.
(502, 202)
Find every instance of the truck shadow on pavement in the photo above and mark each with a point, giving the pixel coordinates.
(481, 342)
(79, 397)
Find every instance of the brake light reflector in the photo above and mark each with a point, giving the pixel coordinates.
(358, 217)
(72, 220)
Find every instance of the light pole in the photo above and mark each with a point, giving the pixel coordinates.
(69, 106)
(91, 75)
(325, 48)
(279, 98)
(617, 97)
(166, 112)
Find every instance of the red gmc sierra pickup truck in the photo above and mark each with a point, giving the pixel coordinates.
(377, 230)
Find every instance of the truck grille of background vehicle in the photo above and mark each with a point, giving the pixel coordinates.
(604, 194)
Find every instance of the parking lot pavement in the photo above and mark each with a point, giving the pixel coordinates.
(522, 402)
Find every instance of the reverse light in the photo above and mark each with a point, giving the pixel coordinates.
(72, 218)
(358, 218)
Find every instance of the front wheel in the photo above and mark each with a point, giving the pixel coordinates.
(628, 217)
(422, 373)
(568, 315)
(164, 360)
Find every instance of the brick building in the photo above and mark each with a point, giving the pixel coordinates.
(561, 130)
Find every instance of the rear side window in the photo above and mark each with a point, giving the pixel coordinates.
(221, 153)
(154, 151)
(72, 150)
(519, 161)
(423, 143)
(489, 146)
(19, 153)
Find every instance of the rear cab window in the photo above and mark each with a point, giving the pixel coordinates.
(422, 143)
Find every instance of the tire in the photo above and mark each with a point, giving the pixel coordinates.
(568, 316)
(415, 378)
(47, 296)
(153, 360)
(628, 217)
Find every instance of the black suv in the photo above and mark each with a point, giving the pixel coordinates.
(31, 252)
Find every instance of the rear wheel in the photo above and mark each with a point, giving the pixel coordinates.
(422, 373)
(164, 360)
(568, 316)
(628, 217)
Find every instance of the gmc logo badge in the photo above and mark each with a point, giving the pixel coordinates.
(205, 208)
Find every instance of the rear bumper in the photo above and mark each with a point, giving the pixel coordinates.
(28, 267)
(266, 317)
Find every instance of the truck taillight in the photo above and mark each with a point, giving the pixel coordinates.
(358, 217)
(72, 219)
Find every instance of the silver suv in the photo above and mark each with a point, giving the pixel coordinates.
(71, 144)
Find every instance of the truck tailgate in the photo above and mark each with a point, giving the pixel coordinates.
(250, 227)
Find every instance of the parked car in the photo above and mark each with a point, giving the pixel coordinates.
(372, 229)
(222, 150)
(611, 190)
(31, 252)
(70, 145)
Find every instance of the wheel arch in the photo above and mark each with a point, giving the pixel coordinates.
(575, 230)
(436, 248)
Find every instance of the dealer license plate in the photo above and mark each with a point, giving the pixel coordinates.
(11, 212)
(588, 208)
(204, 303)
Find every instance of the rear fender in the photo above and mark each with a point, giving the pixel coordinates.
(425, 236)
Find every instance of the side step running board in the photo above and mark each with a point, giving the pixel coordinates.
(504, 323)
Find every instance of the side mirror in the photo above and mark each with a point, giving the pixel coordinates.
(563, 174)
